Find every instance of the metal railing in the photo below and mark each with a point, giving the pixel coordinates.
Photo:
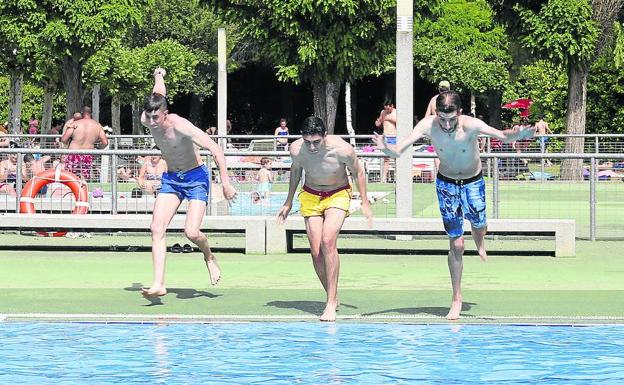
(601, 189)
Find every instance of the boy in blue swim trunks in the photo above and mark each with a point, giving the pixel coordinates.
(179, 140)
(459, 185)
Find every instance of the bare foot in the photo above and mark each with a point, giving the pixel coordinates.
(454, 311)
(153, 291)
(213, 269)
(329, 314)
(482, 253)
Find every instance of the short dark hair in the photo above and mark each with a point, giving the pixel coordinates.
(28, 157)
(283, 120)
(155, 102)
(448, 102)
(313, 125)
(86, 110)
(265, 160)
(388, 101)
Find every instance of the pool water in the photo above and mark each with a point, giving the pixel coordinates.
(309, 353)
(243, 205)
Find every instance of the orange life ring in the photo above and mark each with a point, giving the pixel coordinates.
(34, 185)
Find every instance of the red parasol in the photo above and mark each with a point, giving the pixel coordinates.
(521, 104)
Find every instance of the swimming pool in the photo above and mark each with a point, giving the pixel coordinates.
(309, 353)
(243, 205)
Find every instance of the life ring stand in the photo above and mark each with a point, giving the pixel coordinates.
(33, 186)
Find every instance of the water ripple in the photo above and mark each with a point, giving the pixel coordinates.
(308, 353)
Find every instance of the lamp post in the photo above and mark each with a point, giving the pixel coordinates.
(404, 104)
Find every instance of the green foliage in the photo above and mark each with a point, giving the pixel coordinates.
(320, 40)
(618, 52)
(32, 103)
(463, 45)
(562, 30)
(546, 84)
(193, 25)
(128, 71)
(605, 97)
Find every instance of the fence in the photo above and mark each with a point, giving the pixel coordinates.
(519, 185)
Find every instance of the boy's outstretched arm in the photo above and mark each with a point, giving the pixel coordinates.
(159, 82)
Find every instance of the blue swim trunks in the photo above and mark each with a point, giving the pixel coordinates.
(391, 139)
(193, 184)
(459, 199)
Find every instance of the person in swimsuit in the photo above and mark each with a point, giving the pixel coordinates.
(387, 119)
(460, 186)
(186, 178)
(8, 175)
(265, 178)
(281, 144)
(151, 172)
(325, 199)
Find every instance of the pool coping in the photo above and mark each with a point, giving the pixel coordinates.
(230, 318)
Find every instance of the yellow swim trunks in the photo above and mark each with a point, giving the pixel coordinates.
(314, 202)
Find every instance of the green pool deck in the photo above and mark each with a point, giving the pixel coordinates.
(105, 286)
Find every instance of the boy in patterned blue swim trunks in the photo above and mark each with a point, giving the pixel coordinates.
(179, 140)
(460, 186)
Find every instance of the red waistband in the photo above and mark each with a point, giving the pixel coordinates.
(325, 194)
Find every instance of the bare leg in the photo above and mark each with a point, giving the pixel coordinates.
(164, 209)
(314, 229)
(478, 235)
(456, 267)
(334, 218)
(384, 170)
(194, 215)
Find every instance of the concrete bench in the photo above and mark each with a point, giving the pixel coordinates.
(252, 226)
(279, 237)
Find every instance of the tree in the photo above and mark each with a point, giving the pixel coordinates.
(323, 42)
(19, 25)
(463, 45)
(126, 73)
(572, 33)
(77, 29)
(193, 25)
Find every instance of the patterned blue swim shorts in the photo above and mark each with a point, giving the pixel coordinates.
(459, 198)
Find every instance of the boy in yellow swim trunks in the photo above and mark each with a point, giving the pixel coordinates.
(325, 198)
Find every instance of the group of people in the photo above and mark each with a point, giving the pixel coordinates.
(330, 165)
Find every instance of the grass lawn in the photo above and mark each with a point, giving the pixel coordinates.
(586, 288)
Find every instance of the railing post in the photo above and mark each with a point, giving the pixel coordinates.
(488, 144)
(542, 150)
(18, 180)
(593, 176)
(495, 190)
(114, 180)
(209, 167)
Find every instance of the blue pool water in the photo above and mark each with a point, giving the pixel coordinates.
(243, 205)
(309, 353)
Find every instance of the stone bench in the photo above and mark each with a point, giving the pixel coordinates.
(252, 226)
(279, 237)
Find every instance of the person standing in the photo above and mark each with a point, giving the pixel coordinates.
(459, 184)
(542, 130)
(281, 143)
(84, 133)
(186, 178)
(443, 86)
(325, 199)
(387, 120)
